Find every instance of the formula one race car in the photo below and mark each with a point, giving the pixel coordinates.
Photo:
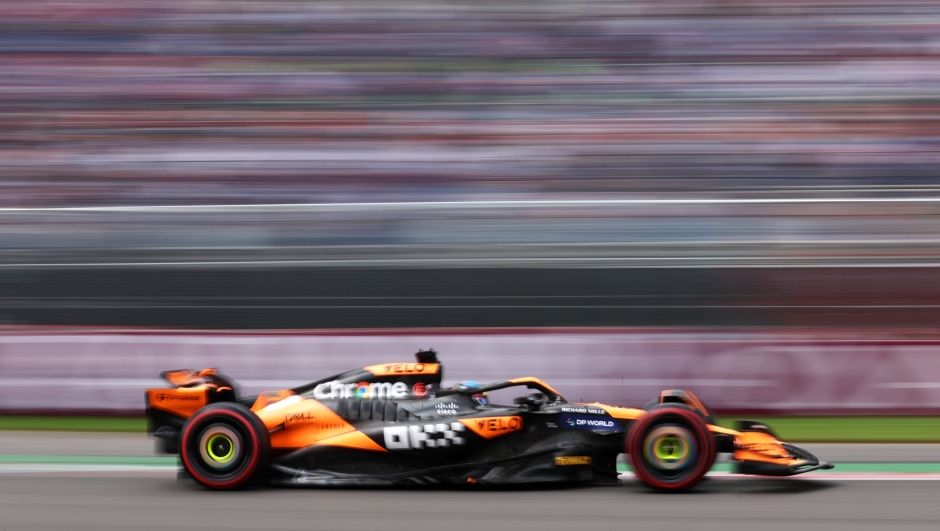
(394, 424)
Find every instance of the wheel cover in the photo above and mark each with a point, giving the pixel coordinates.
(669, 448)
(220, 447)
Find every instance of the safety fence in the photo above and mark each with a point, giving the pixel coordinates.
(806, 372)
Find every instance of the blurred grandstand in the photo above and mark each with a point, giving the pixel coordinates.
(182, 102)
(808, 131)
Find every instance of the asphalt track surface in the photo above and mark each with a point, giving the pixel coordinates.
(153, 499)
(58, 501)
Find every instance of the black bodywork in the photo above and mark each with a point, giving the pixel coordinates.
(546, 448)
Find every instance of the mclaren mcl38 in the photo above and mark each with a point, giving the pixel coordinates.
(394, 424)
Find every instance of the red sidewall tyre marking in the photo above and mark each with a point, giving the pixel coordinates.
(249, 469)
(706, 447)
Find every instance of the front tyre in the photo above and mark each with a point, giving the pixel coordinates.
(224, 446)
(670, 448)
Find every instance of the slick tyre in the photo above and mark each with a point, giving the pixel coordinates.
(224, 446)
(670, 448)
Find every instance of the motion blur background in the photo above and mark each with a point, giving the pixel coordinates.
(736, 197)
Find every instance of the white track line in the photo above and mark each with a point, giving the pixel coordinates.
(826, 476)
(44, 468)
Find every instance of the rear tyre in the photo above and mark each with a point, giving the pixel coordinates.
(224, 446)
(670, 448)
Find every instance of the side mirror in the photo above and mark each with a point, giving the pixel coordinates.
(530, 402)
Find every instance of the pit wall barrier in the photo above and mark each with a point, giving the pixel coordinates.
(772, 372)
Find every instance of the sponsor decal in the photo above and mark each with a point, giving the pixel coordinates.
(551, 425)
(335, 389)
(330, 425)
(583, 410)
(495, 425)
(420, 390)
(447, 408)
(299, 418)
(419, 437)
(177, 401)
(167, 397)
(405, 368)
(572, 460)
(591, 423)
(402, 369)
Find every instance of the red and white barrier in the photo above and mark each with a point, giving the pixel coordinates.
(792, 372)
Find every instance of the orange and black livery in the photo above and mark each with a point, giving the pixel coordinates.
(393, 424)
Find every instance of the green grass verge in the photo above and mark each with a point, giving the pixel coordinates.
(793, 429)
(118, 424)
(852, 429)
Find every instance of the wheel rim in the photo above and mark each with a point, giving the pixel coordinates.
(669, 449)
(220, 448)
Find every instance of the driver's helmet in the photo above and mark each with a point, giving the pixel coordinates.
(478, 398)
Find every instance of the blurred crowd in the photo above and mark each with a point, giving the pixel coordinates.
(137, 102)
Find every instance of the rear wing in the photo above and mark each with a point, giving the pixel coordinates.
(169, 407)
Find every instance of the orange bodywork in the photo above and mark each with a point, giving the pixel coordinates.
(296, 422)
(761, 447)
(182, 402)
(534, 380)
(270, 397)
(491, 427)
